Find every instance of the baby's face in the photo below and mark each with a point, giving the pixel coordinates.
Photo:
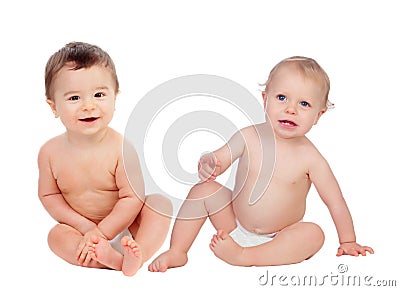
(293, 102)
(84, 99)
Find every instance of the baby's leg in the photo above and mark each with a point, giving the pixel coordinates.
(63, 240)
(151, 226)
(204, 200)
(293, 244)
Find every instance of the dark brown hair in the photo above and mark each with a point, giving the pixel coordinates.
(79, 55)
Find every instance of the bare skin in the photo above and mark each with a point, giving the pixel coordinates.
(133, 258)
(281, 204)
(101, 251)
(129, 262)
(135, 252)
(83, 183)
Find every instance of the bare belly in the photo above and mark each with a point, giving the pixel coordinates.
(94, 205)
(269, 214)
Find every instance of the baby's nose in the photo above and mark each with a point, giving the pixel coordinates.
(291, 109)
(88, 104)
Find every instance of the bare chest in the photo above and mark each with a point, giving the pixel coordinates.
(290, 173)
(282, 179)
(77, 174)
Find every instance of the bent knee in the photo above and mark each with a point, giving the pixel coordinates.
(60, 229)
(315, 234)
(159, 203)
(208, 189)
(58, 233)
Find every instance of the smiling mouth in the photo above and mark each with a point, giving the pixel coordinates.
(88, 119)
(287, 123)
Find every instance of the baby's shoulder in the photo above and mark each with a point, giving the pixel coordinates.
(244, 135)
(53, 143)
(256, 133)
(114, 137)
(250, 131)
(51, 148)
(310, 151)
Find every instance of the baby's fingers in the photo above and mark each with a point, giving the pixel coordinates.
(203, 176)
(206, 168)
(80, 248)
(86, 260)
(347, 251)
(368, 249)
(206, 175)
(364, 251)
(340, 252)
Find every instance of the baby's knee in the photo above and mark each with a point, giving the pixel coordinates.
(315, 234)
(160, 203)
(207, 189)
(200, 190)
(52, 234)
(58, 233)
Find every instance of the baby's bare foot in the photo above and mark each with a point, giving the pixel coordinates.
(132, 256)
(101, 250)
(168, 259)
(225, 248)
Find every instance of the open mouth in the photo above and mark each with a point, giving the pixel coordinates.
(88, 119)
(287, 123)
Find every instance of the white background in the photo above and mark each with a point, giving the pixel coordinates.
(355, 41)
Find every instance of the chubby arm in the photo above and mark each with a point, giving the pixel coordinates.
(215, 163)
(328, 188)
(131, 195)
(52, 199)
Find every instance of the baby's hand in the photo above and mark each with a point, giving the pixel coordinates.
(82, 252)
(207, 166)
(353, 249)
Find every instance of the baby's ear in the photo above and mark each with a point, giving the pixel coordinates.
(117, 92)
(264, 96)
(53, 107)
(319, 115)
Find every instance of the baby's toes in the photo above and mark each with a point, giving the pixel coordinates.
(125, 241)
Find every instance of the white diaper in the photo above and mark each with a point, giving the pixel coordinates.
(116, 241)
(245, 238)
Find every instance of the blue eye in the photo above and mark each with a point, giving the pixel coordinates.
(305, 104)
(281, 97)
(74, 98)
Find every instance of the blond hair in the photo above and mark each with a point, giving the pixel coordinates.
(309, 68)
